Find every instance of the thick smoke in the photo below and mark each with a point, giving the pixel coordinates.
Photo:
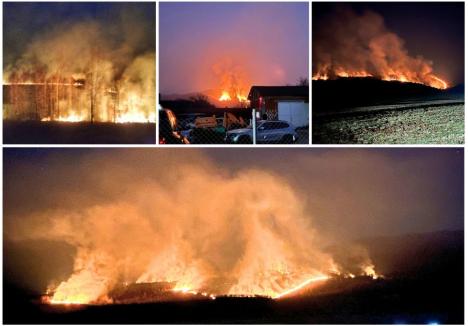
(147, 216)
(350, 44)
(101, 64)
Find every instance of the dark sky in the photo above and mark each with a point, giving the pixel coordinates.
(264, 43)
(434, 30)
(349, 193)
(24, 22)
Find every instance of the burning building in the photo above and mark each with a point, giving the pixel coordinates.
(79, 68)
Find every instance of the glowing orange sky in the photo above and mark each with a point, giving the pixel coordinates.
(196, 38)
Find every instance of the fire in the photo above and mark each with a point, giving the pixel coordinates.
(70, 102)
(73, 116)
(301, 286)
(432, 80)
(241, 99)
(351, 44)
(234, 236)
(225, 96)
(369, 270)
(233, 82)
(82, 74)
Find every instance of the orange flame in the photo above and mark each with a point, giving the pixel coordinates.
(225, 96)
(301, 286)
(370, 49)
(432, 80)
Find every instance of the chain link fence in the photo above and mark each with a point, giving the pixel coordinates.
(227, 128)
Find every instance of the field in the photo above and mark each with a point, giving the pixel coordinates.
(427, 124)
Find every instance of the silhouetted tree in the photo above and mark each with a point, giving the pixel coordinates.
(303, 81)
(200, 100)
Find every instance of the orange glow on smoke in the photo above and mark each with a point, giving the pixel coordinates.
(233, 83)
(193, 248)
(359, 44)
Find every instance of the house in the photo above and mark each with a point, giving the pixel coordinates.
(288, 103)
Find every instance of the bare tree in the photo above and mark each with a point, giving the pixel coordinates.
(303, 81)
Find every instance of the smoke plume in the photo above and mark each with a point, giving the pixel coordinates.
(351, 44)
(82, 68)
(150, 216)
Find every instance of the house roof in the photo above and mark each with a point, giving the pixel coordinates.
(291, 91)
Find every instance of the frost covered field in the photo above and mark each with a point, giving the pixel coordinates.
(437, 124)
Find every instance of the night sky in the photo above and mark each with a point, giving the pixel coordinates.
(431, 29)
(349, 193)
(265, 43)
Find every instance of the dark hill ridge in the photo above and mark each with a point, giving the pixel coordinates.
(345, 93)
(423, 283)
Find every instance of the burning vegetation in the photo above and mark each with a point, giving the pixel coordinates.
(197, 232)
(348, 44)
(233, 84)
(84, 70)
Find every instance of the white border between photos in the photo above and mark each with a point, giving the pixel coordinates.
(310, 145)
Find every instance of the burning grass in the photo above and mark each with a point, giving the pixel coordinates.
(84, 70)
(348, 44)
(138, 293)
(243, 234)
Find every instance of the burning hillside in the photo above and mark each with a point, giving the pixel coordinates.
(244, 235)
(89, 69)
(349, 44)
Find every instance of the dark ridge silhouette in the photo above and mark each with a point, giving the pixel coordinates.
(346, 93)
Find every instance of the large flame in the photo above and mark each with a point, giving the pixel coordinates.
(240, 98)
(81, 73)
(238, 234)
(233, 82)
(225, 96)
(430, 80)
(348, 44)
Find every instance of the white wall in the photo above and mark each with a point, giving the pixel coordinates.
(295, 112)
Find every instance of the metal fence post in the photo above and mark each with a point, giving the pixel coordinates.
(254, 127)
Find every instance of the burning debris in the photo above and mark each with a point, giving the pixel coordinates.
(348, 44)
(87, 70)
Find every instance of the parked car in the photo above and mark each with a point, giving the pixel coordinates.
(276, 132)
(168, 132)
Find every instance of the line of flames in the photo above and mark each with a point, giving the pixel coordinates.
(226, 97)
(184, 289)
(437, 82)
(72, 116)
